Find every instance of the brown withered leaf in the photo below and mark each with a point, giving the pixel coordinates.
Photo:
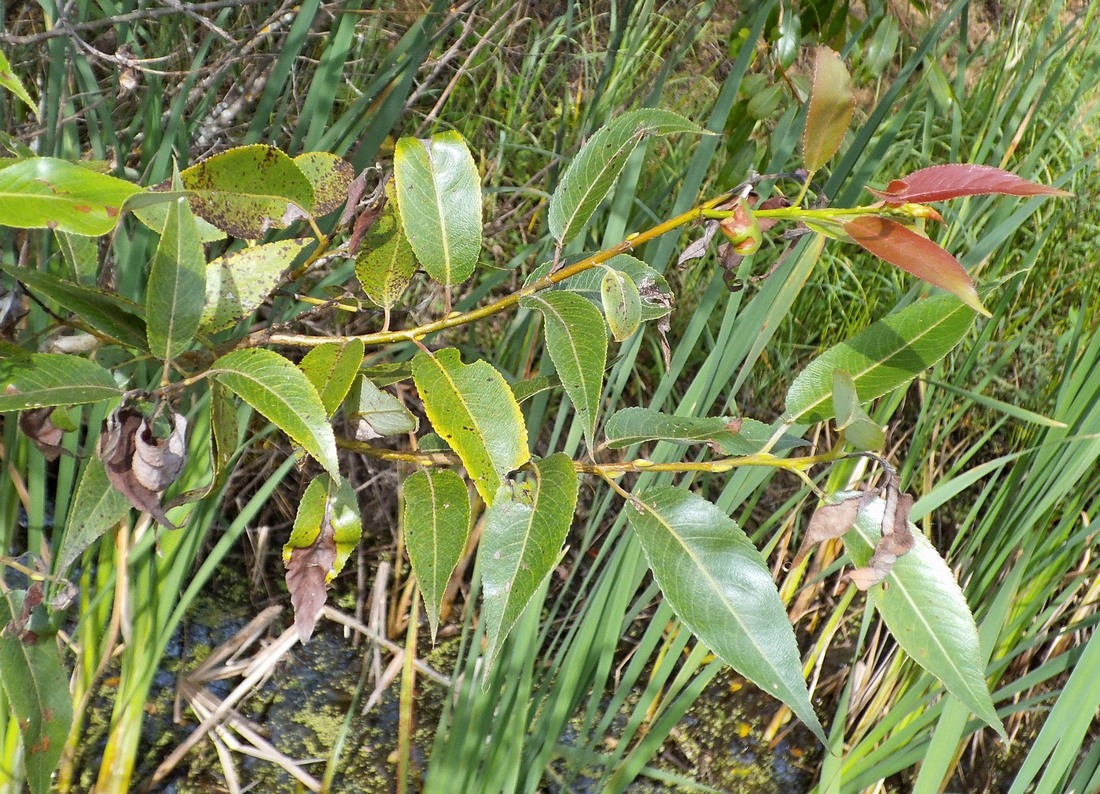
(356, 190)
(697, 249)
(117, 448)
(36, 426)
(897, 539)
(306, 572)
(158, 462)
(831, 521)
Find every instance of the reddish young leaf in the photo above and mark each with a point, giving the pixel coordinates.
(904, 248)
(831, 104)
(941, 182)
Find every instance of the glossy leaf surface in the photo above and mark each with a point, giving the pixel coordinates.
(576, 340)
(43, 192)
(377, 413)
(881, 357)
(927, 613)
(439, 199)
(437, 526)
(916, 254)
(474, 411)
(592, 173)
(238, 283)
(177, 285)
(719, 586)
(249, 190)
(283, 394)
(524, 532)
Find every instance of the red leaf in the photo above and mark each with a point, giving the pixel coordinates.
(904, 248)
(942, 182)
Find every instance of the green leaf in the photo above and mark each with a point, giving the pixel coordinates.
(474, 411)
(439, 200)
(330, 177)
(622, 304)
(522, 541)
(37, 688)
(831, 105)
(378, 413)
(43, 192)
(731, 436)
(332, 368)
(881, 357)
(249, 190)
(177, 285)
(151, 208)
(656, 295)
(11, 81)
(927, 613)
(592, 174)
(385, 262)
(81, 254)
(223, 423)
(577, 343)
(526, 389)
(96, 507)
(859, 429)
(107, 313)
(718, 584)
(35, 380)
(238, 283)
(437, 527)
(388, 372)
(283, 394)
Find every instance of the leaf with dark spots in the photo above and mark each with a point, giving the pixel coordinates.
(131, 472)
(46, 436)
(249, 190)
(916, 254)
(942, 182)
(330, 176)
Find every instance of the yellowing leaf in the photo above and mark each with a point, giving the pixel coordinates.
(831, 106)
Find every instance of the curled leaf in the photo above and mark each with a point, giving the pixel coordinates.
(897, 539)
(954, 180)
(138, 463)
(831, 521)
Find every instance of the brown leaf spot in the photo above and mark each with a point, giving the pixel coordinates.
(117, 448)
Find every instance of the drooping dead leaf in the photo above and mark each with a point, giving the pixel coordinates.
(36, 426)
(897, 539)
(132, 474)
(306, 573)
(831, 521)
(158, 462)
(698, 248)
